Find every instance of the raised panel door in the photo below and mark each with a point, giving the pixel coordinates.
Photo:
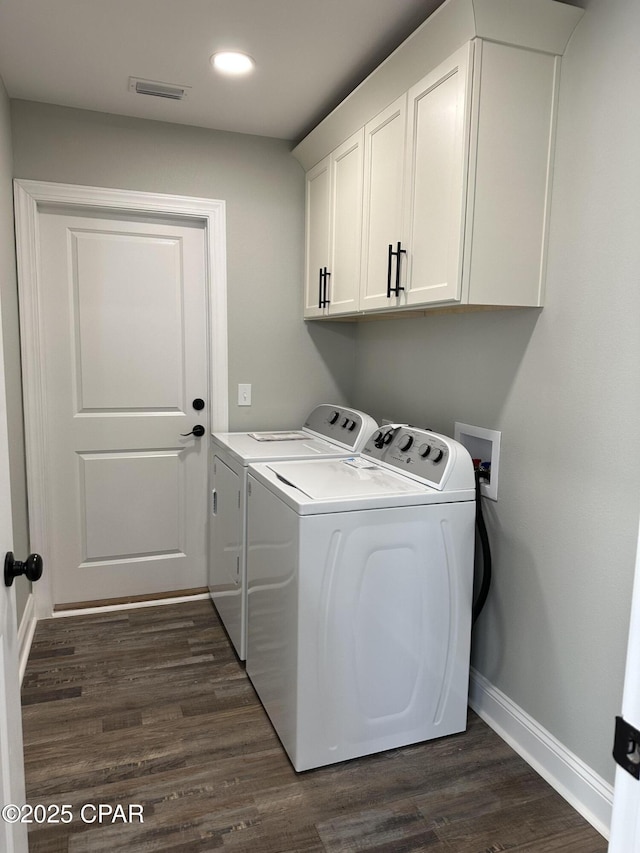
(124, 317)
(12, 786)
(346, 226)
(318, 231)
(384, 157)
(438, 150)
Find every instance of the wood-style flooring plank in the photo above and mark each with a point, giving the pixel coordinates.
(151, 707)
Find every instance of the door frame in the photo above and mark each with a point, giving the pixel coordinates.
(625, 819)
(29, 198)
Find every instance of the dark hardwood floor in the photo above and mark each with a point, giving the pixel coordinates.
(151, 707)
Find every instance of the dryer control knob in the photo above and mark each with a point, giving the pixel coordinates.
(405, 442)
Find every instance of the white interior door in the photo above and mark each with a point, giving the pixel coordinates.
(625, 821)
(123, 305)
(12, 790)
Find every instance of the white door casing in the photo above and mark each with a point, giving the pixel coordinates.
(103, 411)
(625, 820)
(13, 836)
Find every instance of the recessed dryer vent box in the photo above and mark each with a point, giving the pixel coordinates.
(482, 444)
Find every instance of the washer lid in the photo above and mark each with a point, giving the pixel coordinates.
(245, 448)
(342, 479)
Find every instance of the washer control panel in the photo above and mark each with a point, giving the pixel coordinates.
(337, 423)
(414, 451)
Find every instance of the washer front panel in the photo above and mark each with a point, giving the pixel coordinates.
(359, 624)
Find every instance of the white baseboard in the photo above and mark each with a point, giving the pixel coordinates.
(132, 605)
(25, 634)
(586, 791)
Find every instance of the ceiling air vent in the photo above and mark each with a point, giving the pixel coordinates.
(158, 90)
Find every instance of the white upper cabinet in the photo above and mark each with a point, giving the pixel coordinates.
(334, 231)
(457, 131)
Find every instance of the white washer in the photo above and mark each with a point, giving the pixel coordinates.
(360, 584)
(329, 431)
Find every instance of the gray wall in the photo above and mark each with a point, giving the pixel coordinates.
(11, 347)
(291, 366)
(562, 385)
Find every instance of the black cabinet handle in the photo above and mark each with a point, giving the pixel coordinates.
(198, 431)
(32, 568)
(327, 275)
(399, 251)
(322, 287)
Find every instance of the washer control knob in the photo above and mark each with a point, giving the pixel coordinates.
(345, 423)
(405, 443)
(437, 455)
(352, 426)
(388, 437)
(333, 417)
(424, 450)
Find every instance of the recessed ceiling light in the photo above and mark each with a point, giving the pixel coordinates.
(232, 62)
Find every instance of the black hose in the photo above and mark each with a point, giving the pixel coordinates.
(483, 592)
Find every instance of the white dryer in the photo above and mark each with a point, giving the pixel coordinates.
(328, 432)
(360, 584)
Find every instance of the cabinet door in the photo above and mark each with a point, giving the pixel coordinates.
(384, 140)
(438, 152)
(346, 232)
(318, 224)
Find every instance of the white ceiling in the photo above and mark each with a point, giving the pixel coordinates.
(309, 54)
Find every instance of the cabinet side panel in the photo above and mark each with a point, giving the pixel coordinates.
(516, 110)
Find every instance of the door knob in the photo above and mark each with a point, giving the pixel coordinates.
(198, 431)
(32, 568)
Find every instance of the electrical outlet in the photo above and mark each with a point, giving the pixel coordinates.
(482, 444)
(244, 395)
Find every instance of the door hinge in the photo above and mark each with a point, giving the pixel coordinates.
(248, 488)
(214, 502)
(238, 500)
(626, 747)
